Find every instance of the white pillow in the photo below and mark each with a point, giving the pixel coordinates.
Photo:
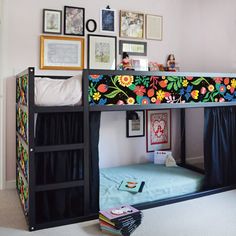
(58, 92)
(170, 161)
(160, 157)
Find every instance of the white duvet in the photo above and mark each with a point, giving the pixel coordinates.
(58, 92)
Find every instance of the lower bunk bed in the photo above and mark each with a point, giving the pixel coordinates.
(161, 182)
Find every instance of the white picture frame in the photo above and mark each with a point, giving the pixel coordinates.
(61, 53)
(158, 130)
(154, 27)
(102, 52)
(107, 20)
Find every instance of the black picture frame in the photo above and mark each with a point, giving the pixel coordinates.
(74, 21)
(135, 51)
(52, 21)
(88, 27)
(135, 124)
(91, 51)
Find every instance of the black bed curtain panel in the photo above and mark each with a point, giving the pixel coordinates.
(53, 167)
(220, 146)
(95, 118)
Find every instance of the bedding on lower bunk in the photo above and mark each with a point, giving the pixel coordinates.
(58, 92)
(160, 182)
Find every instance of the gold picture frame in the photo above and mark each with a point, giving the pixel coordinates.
(61, 53)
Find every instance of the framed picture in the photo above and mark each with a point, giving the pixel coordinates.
(135, 124)
(154, 25)
(131, 24)
(158, 130)
(52, 20)
(107, 20)
(140, 64)
(101, 52)
(134, 48)
(61, 53)
(74, 21)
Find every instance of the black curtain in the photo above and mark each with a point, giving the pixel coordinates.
(219, 146)
(95, 118)
(53, 167)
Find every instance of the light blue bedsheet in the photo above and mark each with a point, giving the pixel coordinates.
(160, 182)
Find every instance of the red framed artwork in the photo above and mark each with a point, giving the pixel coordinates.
(158, 130)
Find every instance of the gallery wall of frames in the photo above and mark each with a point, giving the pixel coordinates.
(65, 32)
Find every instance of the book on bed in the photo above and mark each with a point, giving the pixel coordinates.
(131, 186)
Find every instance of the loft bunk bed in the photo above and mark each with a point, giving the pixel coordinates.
(54, 192)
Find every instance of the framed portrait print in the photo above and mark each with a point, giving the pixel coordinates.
(101, 52)
(61, 53)
(131, 24)
(107, 20)
(52, 20)
(134, 48)
(154, 27)
(74, 21)
(158, 130)
(135, 124)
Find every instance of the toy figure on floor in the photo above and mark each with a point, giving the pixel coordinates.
(126, 62)
(170, 63)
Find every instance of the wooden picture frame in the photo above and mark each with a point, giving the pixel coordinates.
(135, 48)
(154, 27)
(52, 21)
(107, 20)
(135, 127)
(102, 52)
(61, 53)
(158, 124)
(132, 24)
(74, 21)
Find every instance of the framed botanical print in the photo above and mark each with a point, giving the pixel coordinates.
(74, 18)
(61, 53)
(101, 52)
(52, 21)
(158, 130)
(154, 27)
(131, 24)
(107, 20)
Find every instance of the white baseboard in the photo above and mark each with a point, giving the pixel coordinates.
(10, 184)
(194, 160)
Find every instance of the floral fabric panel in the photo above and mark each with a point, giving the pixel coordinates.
(124, 89)
(22, 90)
(22, 157)
(22, 123)
(22, 188)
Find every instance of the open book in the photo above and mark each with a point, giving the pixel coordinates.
(134, 186)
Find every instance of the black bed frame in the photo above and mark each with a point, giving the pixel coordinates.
(85, 146)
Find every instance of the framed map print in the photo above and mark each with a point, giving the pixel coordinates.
(158, 130)
(61, 53)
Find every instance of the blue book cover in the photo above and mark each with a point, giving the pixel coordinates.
(134, 186)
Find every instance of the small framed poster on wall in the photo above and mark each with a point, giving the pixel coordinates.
(135, 124)
(154, 27)
(74, 20)
(107, 20)
(158, 130)
(101, 52)
(52, 21)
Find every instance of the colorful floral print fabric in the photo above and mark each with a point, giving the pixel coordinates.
(129, 89)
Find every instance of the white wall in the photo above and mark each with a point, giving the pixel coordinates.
(22, 28)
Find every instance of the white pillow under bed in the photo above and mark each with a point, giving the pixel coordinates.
(58, 92)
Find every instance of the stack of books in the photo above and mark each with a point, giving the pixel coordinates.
(121, 220)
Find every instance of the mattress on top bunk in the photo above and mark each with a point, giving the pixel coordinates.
(160, 182)
(58, 92)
